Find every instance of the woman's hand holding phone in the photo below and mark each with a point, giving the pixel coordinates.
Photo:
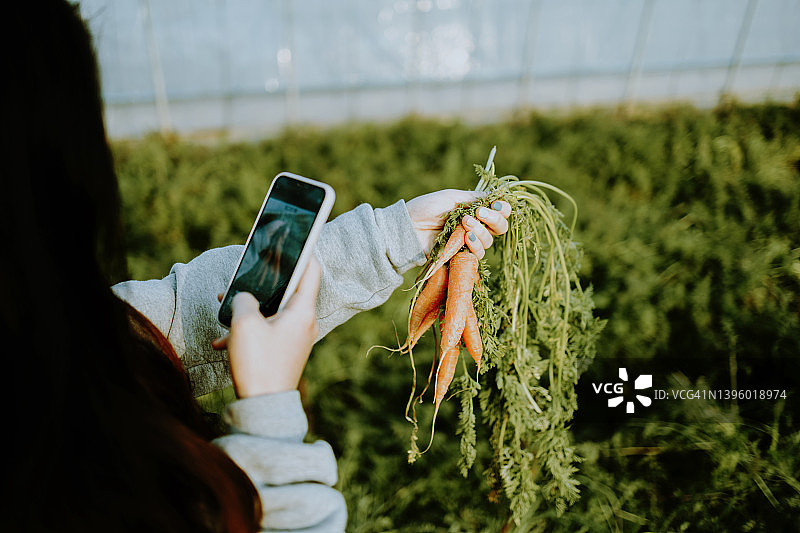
(268, 355)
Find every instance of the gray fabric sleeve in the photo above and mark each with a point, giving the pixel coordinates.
(183, 306)
(363, 254)
(294, 479)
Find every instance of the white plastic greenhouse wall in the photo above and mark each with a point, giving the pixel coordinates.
(252, 67)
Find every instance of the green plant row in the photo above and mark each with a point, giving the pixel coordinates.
(689, 226)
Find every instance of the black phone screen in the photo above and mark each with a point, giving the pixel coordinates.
(274, 247)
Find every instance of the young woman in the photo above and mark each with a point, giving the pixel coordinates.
(102, 430)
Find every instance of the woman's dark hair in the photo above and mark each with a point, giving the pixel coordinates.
(101, 429)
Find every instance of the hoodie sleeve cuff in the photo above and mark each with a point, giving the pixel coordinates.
(402, 245)
(277, 416)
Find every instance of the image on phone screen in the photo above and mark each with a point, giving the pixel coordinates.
(275, 245)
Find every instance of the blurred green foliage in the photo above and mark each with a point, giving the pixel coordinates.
(690, 223)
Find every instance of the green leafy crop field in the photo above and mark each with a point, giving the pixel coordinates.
(690, 226)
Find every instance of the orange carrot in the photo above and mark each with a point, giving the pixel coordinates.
(445, 373)
(444, 376)
(427, 303)
(461, 280)
(472, 337)
(453, 245)
(463, 274)
(433, 363)
(426, 323)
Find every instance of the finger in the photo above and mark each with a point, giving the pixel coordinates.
(479, 230)
(495, 220)
(308, 288)
(475, 245)
(244, 304)
(459, 196)
(503, 207)
(220, 343)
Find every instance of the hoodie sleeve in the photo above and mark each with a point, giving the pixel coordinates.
(363, 254)
(294, 478)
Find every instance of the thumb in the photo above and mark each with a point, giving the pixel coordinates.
(460, 196)
(308, 288)
(244, 304)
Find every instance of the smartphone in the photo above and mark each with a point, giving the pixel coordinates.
(280, 243)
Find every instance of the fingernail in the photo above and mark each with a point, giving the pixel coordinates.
(482, 212)
(497, 206)
(472, 236)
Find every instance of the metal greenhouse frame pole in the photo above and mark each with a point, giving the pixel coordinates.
(635, 72)
(159, 85)
(741, 39)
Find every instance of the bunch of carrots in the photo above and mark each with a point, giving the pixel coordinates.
(446, 295)
(450, 281)
(527, 324)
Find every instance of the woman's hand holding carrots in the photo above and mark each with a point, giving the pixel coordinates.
(427, 212)
(447, 283)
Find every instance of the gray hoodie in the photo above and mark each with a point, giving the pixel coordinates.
(363, 254)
